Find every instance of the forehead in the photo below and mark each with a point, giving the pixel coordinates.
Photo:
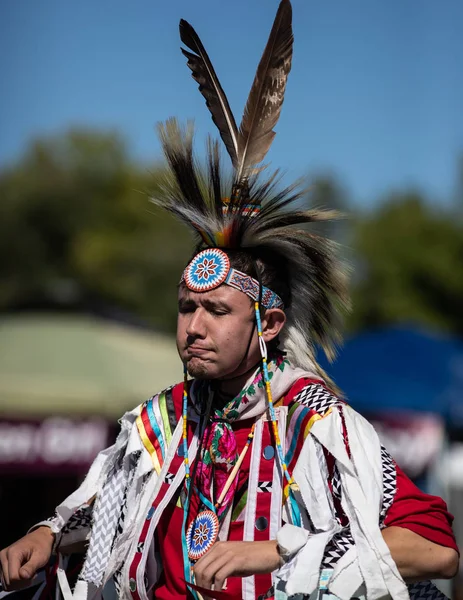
(223, 294)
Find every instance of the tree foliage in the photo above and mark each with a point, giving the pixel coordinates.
(77, 230)
(409, 265)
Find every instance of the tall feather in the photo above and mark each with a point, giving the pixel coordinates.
(178, 149)
(315, 278)
(209, 86)
(266, 97)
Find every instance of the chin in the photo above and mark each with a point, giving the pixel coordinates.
(198, 369)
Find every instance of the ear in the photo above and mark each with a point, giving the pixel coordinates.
(273, 322)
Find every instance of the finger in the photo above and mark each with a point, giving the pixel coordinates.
(205, 575)
(15, 558)
(209, 556)
(223, 573)
(4, 564)
(30, 568)
(202, 567)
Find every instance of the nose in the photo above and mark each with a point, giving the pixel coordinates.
(196, 326)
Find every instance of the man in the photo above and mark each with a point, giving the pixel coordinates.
(251, 479)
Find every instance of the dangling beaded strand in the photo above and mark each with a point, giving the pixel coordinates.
(185, 432)
(188, 569)
(263, 351)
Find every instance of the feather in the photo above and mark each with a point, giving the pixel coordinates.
(262, 217)
(265, 99)
(209, 86)
(177, 144)
(316, 279)
(215, 188)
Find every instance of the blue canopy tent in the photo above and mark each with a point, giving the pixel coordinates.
(398, 368)
(397, 371)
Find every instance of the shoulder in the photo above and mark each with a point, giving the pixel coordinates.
(308, 401)
(154, 423)
(170, 398)
(312, 395)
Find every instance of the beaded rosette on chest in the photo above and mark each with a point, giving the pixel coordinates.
(201, 534)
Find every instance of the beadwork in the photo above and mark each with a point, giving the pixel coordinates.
(207, 270)
(263, 350)
(211, 267)
(202, 534)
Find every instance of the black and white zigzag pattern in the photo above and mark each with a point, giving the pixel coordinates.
(264, 486)
(122, 515)
(107, 513)
(343, 540)
(389, 484)
(337, 547)
(317, 398)
(336, 483)
(81, 519)
(134, 458)
(425, 590)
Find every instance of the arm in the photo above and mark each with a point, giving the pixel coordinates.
(418, 532)
(70, 526)
(21, 560)
(417, 558)
(68, 531)
(235, 559)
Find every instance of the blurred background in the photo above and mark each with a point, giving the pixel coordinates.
(88, 271)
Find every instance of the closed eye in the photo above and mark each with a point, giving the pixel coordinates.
(186, 307)
(217, 308)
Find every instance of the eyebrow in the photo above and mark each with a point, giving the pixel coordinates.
(209, 304)
(216, 304)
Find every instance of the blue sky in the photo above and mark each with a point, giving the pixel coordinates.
(375, 95)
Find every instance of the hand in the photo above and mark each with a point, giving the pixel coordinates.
(235, 559)
(21, 560)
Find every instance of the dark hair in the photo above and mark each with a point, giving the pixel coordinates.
(272, 269)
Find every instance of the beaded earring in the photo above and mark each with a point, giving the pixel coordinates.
(292, 486)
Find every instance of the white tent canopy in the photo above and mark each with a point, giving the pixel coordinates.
(80, 365)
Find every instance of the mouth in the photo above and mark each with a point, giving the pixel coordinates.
(197, 350)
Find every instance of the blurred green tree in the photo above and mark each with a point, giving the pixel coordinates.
(77, 229)
(325, 191)
(409, 265)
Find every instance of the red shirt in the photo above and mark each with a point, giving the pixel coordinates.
(411, 508)
(169, 530)
(422, 513)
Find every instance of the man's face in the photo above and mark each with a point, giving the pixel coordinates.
(213, 332)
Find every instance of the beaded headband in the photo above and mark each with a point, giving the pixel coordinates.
(211, 267)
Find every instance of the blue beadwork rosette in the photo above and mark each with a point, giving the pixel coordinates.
(207, 270)
(201, 534)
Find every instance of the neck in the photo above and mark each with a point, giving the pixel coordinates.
(227, 389)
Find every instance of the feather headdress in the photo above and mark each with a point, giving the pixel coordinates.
(248, 210)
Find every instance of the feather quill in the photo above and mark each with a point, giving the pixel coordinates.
(266, 97)
(209, 85)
